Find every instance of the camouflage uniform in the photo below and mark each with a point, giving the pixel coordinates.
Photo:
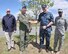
(24, 27)
(61, 26)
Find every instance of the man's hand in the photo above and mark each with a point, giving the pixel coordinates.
(44, 27)
(50, 24)
(14, 31)
(33, 21)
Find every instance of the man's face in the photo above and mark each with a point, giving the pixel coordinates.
(24, 10)
(44, 9)
(60, 14)
(8, 12)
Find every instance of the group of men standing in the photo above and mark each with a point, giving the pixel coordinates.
(46, 20)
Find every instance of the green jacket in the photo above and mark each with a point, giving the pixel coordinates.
(24, 22)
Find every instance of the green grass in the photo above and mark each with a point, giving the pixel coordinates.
(3, 46)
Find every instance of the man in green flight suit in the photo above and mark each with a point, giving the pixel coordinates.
(25, 28)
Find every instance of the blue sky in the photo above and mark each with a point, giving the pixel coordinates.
(15, 5)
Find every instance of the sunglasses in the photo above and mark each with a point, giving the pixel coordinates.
(8, 11)
(60, 12)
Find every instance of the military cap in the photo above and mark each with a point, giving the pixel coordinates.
(60, 10)
(44, 6)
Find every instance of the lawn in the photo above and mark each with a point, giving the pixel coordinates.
(32, 47)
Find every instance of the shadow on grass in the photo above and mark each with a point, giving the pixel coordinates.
(31, 41)
(17, 41)
(38, 46)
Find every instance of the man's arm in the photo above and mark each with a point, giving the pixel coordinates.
(14, 23)
(3, 23)
(66, 24)
(36, 21)
(33, 21)
(51, 23)
(51, 20)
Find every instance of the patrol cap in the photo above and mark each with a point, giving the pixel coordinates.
(44, 6)
(23, 6)
(60, 10)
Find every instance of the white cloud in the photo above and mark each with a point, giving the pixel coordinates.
(60, 4)
(63, 4)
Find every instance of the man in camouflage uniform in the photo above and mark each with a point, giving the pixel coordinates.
(25, 28)
(61, 26)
